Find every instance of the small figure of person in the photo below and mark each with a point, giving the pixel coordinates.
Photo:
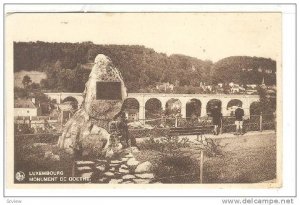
(216, 118)
(125, 136)
(123, 126)
(239, 114)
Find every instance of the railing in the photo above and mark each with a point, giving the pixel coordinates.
(159, 126)
(153, 127)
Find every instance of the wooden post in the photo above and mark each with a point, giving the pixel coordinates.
(73, 168)
(260, 122)
(176, 121)
(221, 126)
(62, 119)
(201, 167)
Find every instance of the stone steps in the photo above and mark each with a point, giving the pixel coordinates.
(125, 170)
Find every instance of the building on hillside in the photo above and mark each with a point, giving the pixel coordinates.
(263, 85)
(252, 86)
(25, 108)
(269, 71)
(132, 114)
(251, 91)
(165, 87)
(236, 88)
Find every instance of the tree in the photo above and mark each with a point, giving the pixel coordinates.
(26, 81)
(266, 105)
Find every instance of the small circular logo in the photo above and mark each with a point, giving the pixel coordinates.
(20, 176)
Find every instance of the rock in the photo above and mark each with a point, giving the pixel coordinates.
(145, 176)
(48, 154)
(123, 171)
(143, 167)
(114, 165)
(142, 181)
(103, 71)
(115, 162)
(132, 162)
(101, 161)
(135, 150)
(118, 174)
(54, 157)
(84, 169)
(123, 166)
(95, 130)
(129, 155)
(127, 182)
(109, 153)
(87, 175)
(93, 145)
(115, 181)
(86, 130)
(124, 159)
(118, 147)
(109, 174)
(84, 163)
(101, 168)
(103, 180)
(128, 176)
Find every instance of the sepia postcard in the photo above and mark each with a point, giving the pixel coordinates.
(143, 99)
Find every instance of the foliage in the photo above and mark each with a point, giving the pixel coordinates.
(26, 81)
(68, 65)
(244, 70)
(41, 100)
(177, 169)
(168, 145)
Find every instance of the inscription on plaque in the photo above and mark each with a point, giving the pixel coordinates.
(108, 91)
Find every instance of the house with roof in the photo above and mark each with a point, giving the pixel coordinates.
(25, 108)
(132, 114)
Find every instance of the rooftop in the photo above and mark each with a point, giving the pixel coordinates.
(24, 103)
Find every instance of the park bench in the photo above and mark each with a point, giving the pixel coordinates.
(184, 131)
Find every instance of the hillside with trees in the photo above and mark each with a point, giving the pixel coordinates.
(245, 70)
(67, 66)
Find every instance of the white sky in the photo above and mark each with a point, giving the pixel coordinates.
(209, 36)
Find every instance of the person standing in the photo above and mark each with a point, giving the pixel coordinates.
(216, 118)
(123, 126)
(239, 114)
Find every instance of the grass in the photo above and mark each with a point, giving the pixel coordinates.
(30, 157)
(244, 159)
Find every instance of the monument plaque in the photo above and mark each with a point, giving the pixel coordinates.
(108, 91)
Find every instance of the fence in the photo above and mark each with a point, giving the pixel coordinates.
(160, 127)
(155, 127)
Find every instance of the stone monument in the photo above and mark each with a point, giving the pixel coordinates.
(104, 94)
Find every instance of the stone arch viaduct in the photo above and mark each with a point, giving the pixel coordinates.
(142, 98)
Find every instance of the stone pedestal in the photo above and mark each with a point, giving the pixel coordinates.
(86, 132)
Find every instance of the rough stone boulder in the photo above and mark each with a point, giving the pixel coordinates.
(143, 167)
(86, 130)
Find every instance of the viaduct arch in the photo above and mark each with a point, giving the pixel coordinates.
(142, 98)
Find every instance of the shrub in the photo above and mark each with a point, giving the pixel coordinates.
(177, 169)
(168, 145)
